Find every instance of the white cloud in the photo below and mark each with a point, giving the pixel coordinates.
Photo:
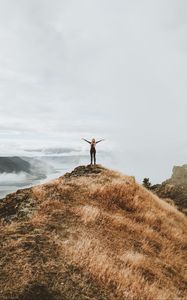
(106, 68)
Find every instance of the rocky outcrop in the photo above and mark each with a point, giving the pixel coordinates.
(179, 175)
(18, 206)
(174, 188)
(85, 171)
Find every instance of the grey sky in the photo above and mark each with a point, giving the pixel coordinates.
(104, 68)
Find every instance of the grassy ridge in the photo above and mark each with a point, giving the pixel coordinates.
(91, 234)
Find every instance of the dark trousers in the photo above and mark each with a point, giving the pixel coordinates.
(93, 156)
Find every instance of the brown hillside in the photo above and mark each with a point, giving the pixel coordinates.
(92, 234)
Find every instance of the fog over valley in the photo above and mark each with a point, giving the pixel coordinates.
(34, 166)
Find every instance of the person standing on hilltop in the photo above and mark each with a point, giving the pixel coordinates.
(93, 149)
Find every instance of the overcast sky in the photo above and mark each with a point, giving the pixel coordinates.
(106, 68)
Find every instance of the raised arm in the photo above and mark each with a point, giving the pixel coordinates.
(86, 141)
(99, 141)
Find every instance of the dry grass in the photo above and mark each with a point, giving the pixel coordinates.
(96, 237)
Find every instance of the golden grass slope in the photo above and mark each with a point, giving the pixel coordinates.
(92, 234)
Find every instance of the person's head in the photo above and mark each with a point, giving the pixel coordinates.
(93, 141)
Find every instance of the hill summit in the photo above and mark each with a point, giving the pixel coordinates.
(91, 234)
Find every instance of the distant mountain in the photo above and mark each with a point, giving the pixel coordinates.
(14, 165)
